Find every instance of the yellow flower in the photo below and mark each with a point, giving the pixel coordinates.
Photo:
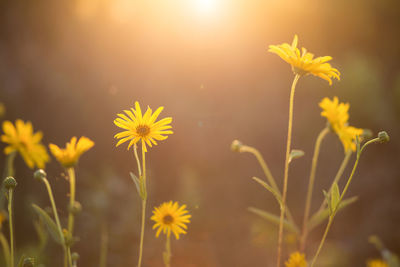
(69, 156)
(348, 134)
(22, 139)
(305, 63)
(338, 116)
(169, 217)
(377, 263)
(336, 113)
(296, 259)
(142, 127)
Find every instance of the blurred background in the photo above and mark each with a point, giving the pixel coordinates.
(70, 66)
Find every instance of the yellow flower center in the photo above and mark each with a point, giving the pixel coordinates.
(168, 219)
(143, 130)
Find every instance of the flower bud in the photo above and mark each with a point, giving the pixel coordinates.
(75, 208)
(10, 183)
(75, 256)
(236, 145)
(40, 174)
(383, 137)
(29, 262)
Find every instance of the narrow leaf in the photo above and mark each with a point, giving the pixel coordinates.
(270, 189)
(321, 216)
(136, 181)
(295, 154)
(335, 196)
(50, 224)
(274, 219)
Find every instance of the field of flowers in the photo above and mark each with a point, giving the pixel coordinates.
(199, 133)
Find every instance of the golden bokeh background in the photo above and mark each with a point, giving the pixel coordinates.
(71, 66)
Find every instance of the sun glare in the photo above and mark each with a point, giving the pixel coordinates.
(205, 7)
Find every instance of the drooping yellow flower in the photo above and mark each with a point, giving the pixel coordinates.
(338, 116)
(169, 217)
(377, 263)
(348, 135)
(305, 63)
(28, 144)
(142, 127)
(296, 259)
(69, 156)
(336, 113)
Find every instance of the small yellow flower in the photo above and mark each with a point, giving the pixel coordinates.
(22, 139)
(142, 127)
(169, 217)
(338, 116)
(69, 156)
(336, 113)
(305, 63)
(377, 263)
(296, 259)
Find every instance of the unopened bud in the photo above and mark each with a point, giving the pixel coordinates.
(10, 183)
(40, 174)
(383, 137)
(236, 145)
(75, 208)
(75, 256)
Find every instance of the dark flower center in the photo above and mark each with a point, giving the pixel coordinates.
(143, 130)
(168, 219)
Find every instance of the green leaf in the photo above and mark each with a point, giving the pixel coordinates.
(321, 216)
(21, 261)
(335, 197)
(270, 189)
(50, 224)
(274, 219)
(295, 154)
(136, 181)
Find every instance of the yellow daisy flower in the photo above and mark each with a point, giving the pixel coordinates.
(305, 63)
(348, 134)
(296, 259)
(142, 127)
(69, 156)
(336, 113)
(377, 263)
(169, 217)
(338, 116)
(21, 138)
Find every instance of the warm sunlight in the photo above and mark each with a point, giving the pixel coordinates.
(205, 7)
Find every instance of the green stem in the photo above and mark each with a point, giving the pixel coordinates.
(339, 174)
(103, 245)
(53, 205)
(167, 255)
(331, 217)
(143, 181)
(71, 175)
(286, 174)
(314, 163)
(10, 214)
(6, 249)
(268, 174)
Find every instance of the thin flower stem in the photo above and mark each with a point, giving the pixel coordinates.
(331, 217)
(167, 257)
(71, 175)
(10, 214)
(53, 205)
(286, 174)
(268, 174)
(137, 160)
(6, 249)
(314, 163)
(103, 245)
(143, 207)
(339, 174)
